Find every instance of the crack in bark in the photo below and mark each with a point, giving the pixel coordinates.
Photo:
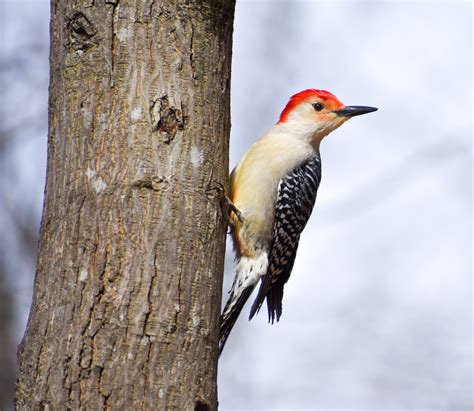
(191, 51)
(150, 9)
(104, 395)
(145, 367)
(151, 287)
(112, 39)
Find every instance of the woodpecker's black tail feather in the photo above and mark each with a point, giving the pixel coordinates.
(274, 295)
(228, 319)
(262, 293)
(274, 301)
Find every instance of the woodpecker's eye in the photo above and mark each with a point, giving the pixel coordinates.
(318, 106)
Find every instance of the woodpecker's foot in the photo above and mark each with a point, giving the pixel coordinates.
(234, 209)
(230, 206)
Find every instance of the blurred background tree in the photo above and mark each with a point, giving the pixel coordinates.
(24, 47)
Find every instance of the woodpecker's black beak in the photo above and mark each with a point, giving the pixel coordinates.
(351, 111)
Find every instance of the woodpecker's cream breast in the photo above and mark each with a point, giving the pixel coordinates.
(254, 185)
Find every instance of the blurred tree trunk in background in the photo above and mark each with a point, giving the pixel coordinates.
(127, 292)
(7, 362)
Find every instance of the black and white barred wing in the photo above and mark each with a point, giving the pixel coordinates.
(295, 201)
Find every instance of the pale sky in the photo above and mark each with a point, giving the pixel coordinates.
(377, 313)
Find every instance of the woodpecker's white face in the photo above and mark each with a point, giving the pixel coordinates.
(313, 114)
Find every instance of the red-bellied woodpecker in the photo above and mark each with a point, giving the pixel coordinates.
(274, 188)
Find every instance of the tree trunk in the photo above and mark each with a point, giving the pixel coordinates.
(125, 313)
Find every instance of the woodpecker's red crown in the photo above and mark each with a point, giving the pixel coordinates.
(330, 100)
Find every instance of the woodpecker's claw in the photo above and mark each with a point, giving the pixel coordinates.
(219, 188)
(234, 209)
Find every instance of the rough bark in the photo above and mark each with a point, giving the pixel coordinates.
(128, 283)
